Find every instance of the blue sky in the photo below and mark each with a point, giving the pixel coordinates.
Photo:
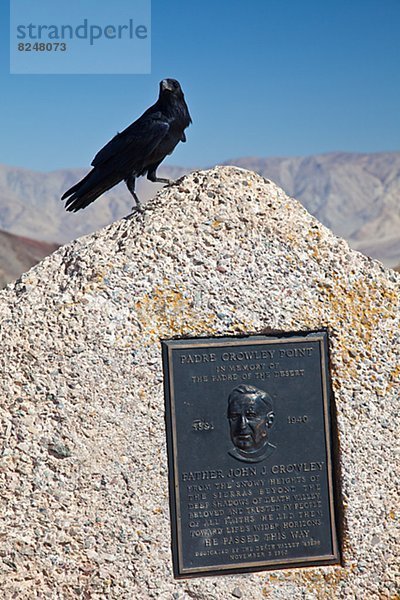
(262, 78)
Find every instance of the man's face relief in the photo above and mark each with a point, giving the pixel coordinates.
(249, 421)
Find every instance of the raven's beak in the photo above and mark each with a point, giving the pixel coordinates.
(165, 85)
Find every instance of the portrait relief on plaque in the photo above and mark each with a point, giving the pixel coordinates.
(251, 478)
(251, 417)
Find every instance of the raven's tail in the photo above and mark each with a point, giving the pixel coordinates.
(89, 189)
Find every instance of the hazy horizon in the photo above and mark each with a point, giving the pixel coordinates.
(170, 164)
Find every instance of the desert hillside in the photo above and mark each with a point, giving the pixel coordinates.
(355, 195)
(18, 254)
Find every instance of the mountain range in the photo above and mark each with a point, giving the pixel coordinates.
(355, 195)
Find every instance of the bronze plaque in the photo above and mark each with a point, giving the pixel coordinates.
(249, 452)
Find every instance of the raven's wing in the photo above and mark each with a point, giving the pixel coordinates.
(137, 141)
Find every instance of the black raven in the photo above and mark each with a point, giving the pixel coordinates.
(136, 151)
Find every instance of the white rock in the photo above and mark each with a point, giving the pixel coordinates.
(80, 339)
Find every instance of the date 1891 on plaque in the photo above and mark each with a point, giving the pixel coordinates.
(249, 451)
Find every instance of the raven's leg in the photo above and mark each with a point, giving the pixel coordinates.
(152, 176)
(130, 183)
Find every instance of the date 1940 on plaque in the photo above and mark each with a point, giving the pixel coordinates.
(249, 452)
